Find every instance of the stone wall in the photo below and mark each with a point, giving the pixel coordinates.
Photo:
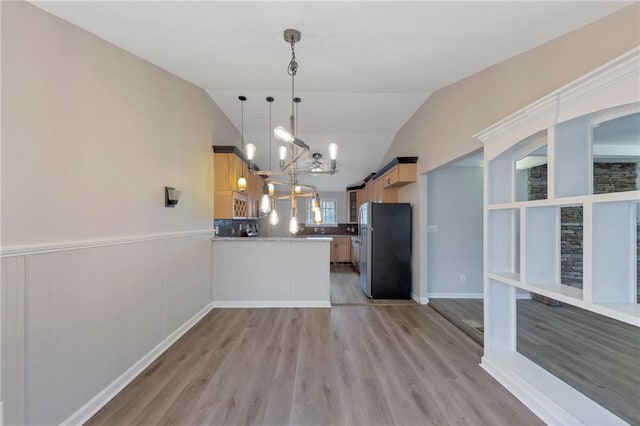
(571, 230)
(614, 177)
(537, 182)
(608, 177)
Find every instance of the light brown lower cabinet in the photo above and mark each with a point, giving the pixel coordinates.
(341, 250)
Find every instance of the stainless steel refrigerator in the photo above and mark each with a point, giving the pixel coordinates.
(385, 250)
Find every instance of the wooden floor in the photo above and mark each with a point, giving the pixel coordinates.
(598, 356)
(358, 364)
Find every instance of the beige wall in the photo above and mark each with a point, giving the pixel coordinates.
(91, 134)
(443, 127)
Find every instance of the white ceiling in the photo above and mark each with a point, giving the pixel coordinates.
(365, 67)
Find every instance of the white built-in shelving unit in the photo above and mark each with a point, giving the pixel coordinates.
(522, 238)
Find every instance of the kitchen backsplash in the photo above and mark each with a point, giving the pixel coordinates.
(239, 227)
(259, 228)
(342, 229)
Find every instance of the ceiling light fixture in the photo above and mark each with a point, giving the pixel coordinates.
(295, 151)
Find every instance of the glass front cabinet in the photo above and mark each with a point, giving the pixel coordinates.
(561, 220)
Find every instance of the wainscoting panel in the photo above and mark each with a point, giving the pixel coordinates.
(244, 270)
(286, 272)
(91, 314)
(12, 318)
(188, 271)
(302, 286)
(73, 321)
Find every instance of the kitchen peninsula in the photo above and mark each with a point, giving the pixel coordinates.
(271, 272)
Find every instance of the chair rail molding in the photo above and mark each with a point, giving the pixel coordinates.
(31, 249)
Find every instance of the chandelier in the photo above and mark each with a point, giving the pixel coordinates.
(287, 175)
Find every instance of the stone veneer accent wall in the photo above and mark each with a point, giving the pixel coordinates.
(608, 177)
(537, 182)
(571, 255)
(614, 177)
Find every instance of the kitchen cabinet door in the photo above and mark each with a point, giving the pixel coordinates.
(344, 251)
(353, 202)
(341, 250)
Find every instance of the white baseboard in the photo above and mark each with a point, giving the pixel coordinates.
(419, 300)
(548, 397)
(84, 413)
(455, 295)
(272, 304)
(468, 296)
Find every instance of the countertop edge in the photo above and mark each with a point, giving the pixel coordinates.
(263, 239)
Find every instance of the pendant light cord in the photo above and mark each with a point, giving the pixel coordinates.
(242, 124)
(242, 99)
(269, 133)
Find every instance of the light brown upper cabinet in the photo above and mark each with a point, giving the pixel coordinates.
(228, 201)
(382, 187)
(400, 174)
(354, 199)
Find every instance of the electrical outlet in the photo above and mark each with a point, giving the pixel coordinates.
(463, 278)
(432, 228)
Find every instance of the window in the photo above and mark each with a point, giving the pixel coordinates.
(329, 215)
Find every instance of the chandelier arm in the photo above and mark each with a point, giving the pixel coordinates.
(306, 195)
(294, 159)
(311, 187)
(298, 156)
(279, 182)
(270, 173)
(285, 167)
(309, 172)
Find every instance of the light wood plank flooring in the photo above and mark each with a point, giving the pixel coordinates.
(345, 288)
(596, 355)
(349, 365)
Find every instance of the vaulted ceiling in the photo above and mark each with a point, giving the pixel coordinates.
(365, 67)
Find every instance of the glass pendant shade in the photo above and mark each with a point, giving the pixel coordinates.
(273, 217)
(283, 134)
(293, 225)
(251, 151)
(317, 216)
(265, 204)
(282, 152)
(271, 189)
(242, 183)
(333, 151)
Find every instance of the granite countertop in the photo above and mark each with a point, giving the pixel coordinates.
(325, 236)
(299, 239)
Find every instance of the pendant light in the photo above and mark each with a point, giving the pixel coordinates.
(242, 182)
(273, 216)
(267, 189)
(265, 201)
